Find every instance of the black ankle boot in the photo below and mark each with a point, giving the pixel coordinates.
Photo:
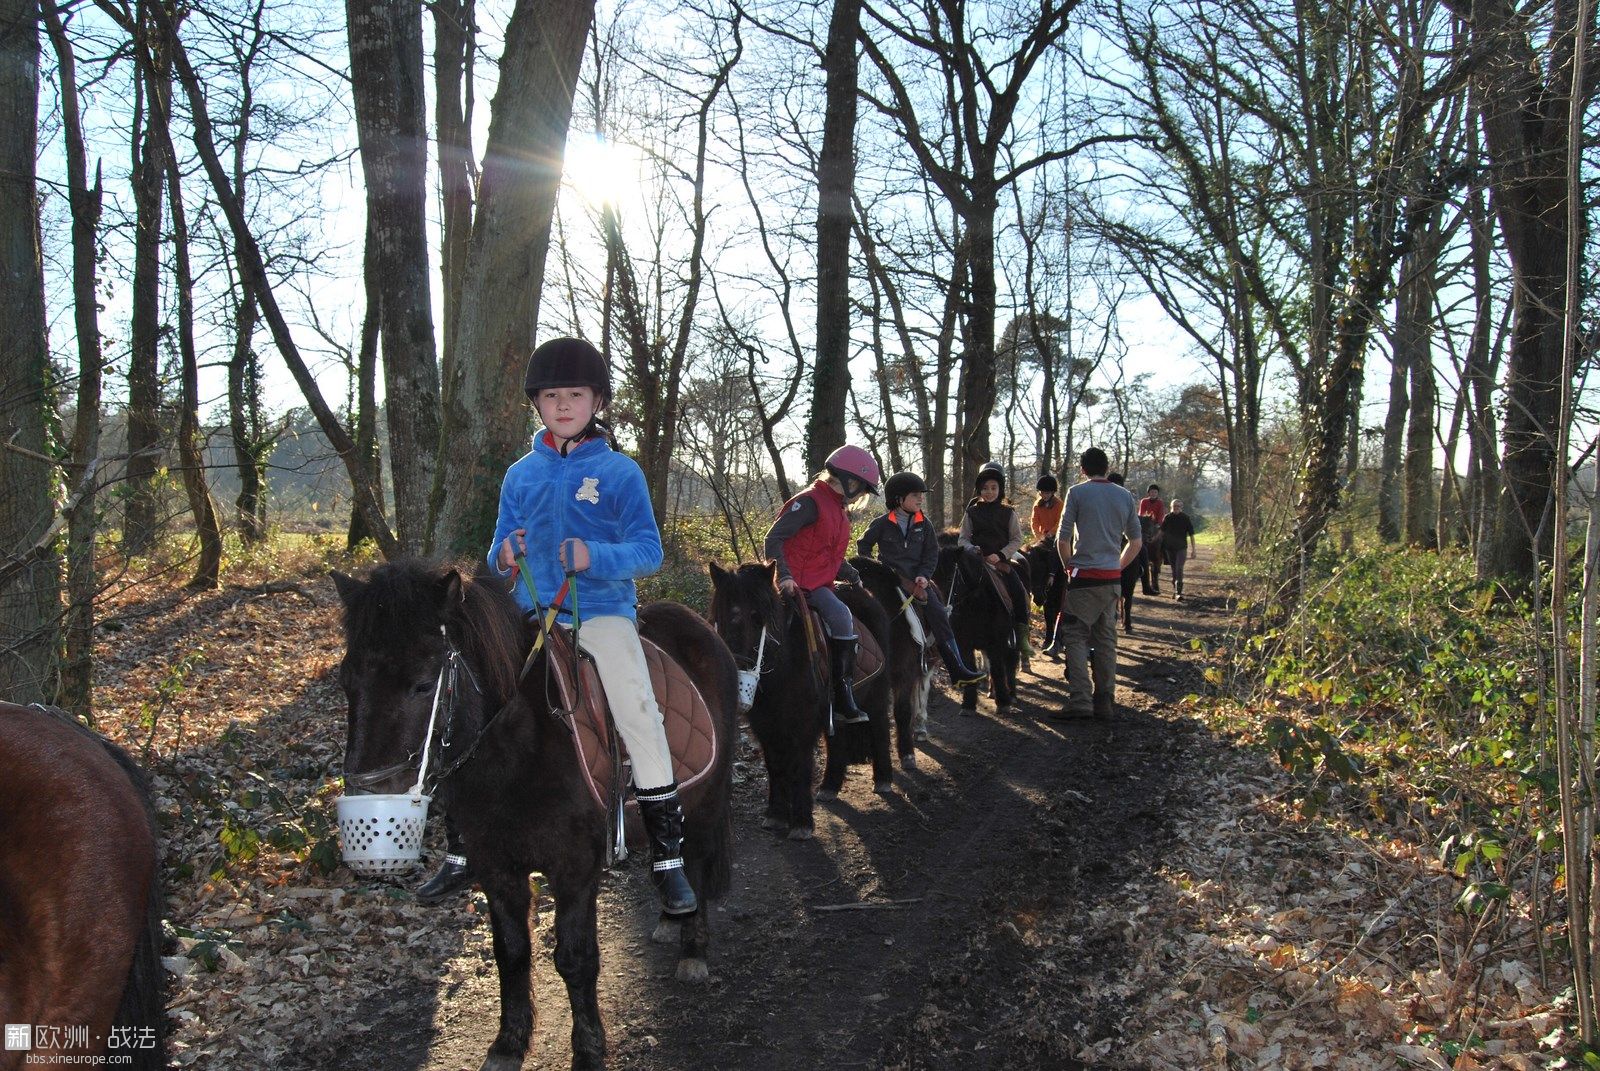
(663, 824)
(845, 711)
(454, 874)
(961, 675)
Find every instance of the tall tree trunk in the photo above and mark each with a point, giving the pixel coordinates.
(977, 356)
(454, 47)
(484, 426)
(836, 172)
(244, 419)
(1523, 100)
(1391, 498)
(1417, 289)
(1483, 474)
(77, 667)
(191, 452)
(366, 415)
(29, 572)
(141, 509)
(387, 86)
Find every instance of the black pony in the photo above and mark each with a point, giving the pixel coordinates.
(910, 663)
(508, 773)
(1046, 584)
(763, 627)
(981, 623)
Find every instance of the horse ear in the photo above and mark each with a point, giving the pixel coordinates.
(718, 573)
(772, 571)
(452, 590)
(349, 587)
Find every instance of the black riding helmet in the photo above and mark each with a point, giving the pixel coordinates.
(991, 470)
(899, 486)
(568, 362)
(1047, 482)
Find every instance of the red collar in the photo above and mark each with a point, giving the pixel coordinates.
(916, 519)
(550, 441)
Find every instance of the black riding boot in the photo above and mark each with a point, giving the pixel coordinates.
(961, 675)
(663, 824)
(845, 711)
(454, 874)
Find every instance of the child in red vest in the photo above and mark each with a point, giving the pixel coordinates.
(808, 542)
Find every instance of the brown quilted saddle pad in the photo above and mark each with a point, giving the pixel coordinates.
(691, 734)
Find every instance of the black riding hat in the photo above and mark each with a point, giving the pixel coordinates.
(1047, 482)
(568, 362)
(991, 470)
(900, 485)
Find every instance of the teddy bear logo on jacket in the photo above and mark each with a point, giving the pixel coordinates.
(590, 491)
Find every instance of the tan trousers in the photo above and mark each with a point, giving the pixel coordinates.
(613, 643)
(1089, 618)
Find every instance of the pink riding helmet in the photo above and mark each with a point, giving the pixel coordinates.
(855, 462)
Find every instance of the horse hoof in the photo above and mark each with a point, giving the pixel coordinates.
(921, 736)
(772, 821)
(827, 793)
(692, 971)
(1002, 709)
(800, 833)
(884, 788)
(908, 761)
(969, 711)
(501, 1063)
(667, 932)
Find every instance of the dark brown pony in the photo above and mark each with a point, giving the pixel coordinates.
(981, 623)
(508, 773)
(910, 664)
(791, 703)
(80, 894)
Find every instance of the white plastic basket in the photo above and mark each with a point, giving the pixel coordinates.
(381, 834)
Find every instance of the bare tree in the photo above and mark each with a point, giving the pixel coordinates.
(77, 666)
(386, 83)
(484, 421)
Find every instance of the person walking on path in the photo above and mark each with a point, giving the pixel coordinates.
(1095, 518)
(1177, 537)
(1152, 511)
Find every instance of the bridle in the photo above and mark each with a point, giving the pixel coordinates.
(445, 691)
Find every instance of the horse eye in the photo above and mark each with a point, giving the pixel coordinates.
(422, 687)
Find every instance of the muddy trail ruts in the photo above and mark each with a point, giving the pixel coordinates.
(969, 879)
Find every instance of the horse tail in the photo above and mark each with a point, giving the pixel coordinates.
(141, 1014)
(717, 877)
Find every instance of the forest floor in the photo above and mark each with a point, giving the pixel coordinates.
(1037, 893)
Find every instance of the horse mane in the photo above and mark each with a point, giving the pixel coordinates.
(409, 595)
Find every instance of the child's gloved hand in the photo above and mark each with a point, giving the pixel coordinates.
(513, 545)
(574, 555)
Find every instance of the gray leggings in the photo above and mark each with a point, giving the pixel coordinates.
(836, 616)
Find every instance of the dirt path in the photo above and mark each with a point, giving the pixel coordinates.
(1011, 835)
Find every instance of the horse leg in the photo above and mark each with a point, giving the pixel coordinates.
(578, 963)
(802, 822)
(905, 697)
(694, 935)
(969, 694)
(509, 900)
(834, 770)
(777, 816)
(882, 754)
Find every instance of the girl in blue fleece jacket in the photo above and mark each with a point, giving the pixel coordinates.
(573, 503)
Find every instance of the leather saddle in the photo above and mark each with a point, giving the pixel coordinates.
(997, 580)
(869, 656)
(916, 615)
(691, 734)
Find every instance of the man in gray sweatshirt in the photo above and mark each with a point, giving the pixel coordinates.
(1096, 517)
